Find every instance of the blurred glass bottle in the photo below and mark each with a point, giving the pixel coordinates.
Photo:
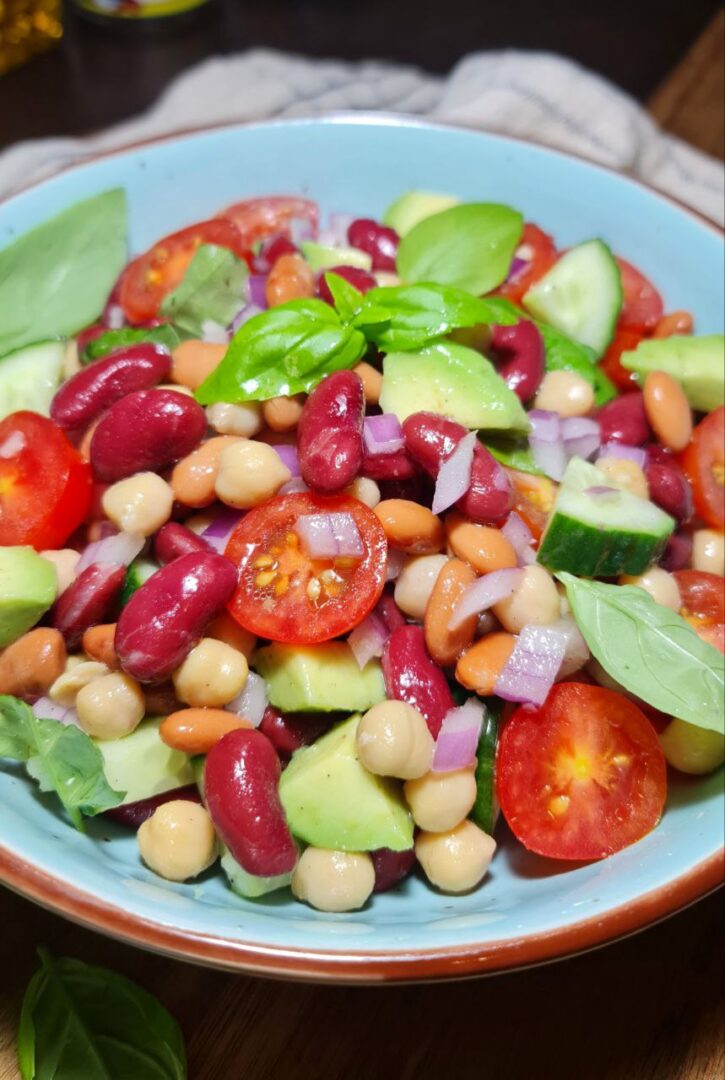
(27, 27)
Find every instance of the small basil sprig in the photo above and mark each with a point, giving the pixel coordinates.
(60, 757)
(286, 350)
(650, 650)
(107, 342)
(210, 291)
(470, 246)
(80, 1022)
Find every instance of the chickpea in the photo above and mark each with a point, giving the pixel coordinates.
(244, 419)
(139, 504)
(249, 474)
(193, 478)
(65, 562)
(708, 551)
(110, 707)
(534, 601)
(372, 382)
(283, 413)
(660, 585)
(32, 663)
(212, 674)
(193, 361)
(626, 474)
(692, 749)
(393, 740)
(78, 673)
(333, 880)
(415, 583)
(178, 841)
(439, 801)
(365, 491)
(565, 393)
(178, 389)
(455, 861)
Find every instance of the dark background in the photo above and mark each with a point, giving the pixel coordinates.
(99, 76)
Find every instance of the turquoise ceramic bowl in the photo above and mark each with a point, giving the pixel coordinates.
(529, 909)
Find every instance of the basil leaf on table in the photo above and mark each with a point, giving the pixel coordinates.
(80, 1022)
(415, 315)
(286, 350)
(470, 246)
(106, 343)
(61, 758)
(211, 290)
(650, 650)
(55, 279)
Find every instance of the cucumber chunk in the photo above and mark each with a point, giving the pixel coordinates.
(137, 575)
(581, 295)
(29, 377)
(485, 808)
(601, 533)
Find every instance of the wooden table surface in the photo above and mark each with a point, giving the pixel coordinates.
(648, 1008)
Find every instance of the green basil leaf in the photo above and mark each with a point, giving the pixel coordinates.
(212, 290)
(650, 650)
(348, 299)
(418, 314)
(514, 453)
(470, 246)
(604, 388)
(104, 344)
(60, 758)
(286, 350)
(80, 1022)
(56, 278)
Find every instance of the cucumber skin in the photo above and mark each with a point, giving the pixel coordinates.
(582, 549)
(484, 810)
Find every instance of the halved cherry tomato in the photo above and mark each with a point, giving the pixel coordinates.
(702, 599)
(285, 595)
(623, 340)
(258, 219)
(533, 499)
(704, 465)
(149, 278)
(582, 776)
(543, 255)
(45, 488)
(642, 305)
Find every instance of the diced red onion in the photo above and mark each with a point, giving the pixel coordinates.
(576, 653)
(520, 537)
(383, 434)
(396, 562)
(289, 457)
(517, 268)
(252, 701)
(458, 737)
(483, 593)
(302, 229)
(368, 639)
(113, 317)
(454, 475)
(120, 549)
(531, 670)
(330, 536)
(581, 436)
(213, 333)
(601, 491)
(219, 530)
(335, 235)
(293, 486)
(622, 450)
(47, 709)
(244, 315)
(256, 290)
(547, 445)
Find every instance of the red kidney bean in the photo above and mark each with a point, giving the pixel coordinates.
(289, 731)
(519, 351)
(678, 552)
(668, 485)
(167, 615)
(271, 250)
(87, 601)
(241, 779)
(174, 540)
(391, 867)
(146, 430)
(389, 611)
(329, 433)
(624, 420)
(96, 387)
(134, 814)
(416, 488)
(391, 466)
(361, 279)
(411, 676)
(430, 439)
(377, 240)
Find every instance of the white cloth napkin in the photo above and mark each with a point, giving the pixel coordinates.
(537, 95)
